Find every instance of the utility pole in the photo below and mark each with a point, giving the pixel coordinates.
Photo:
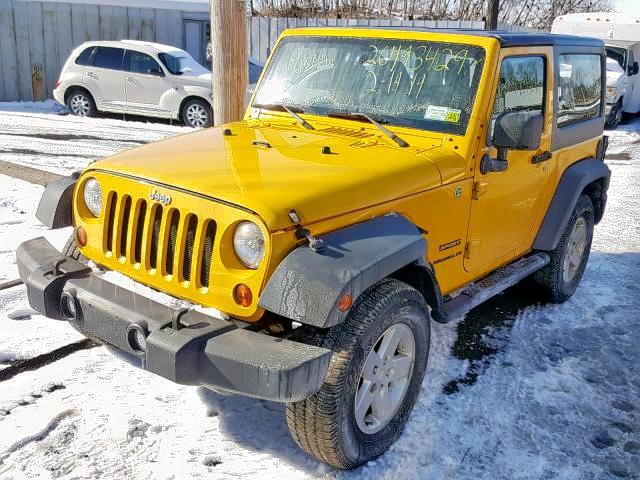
(492, 15)
(229, 59)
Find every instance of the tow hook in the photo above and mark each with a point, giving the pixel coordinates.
(316, 244)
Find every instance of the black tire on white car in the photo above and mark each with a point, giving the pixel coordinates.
(560, 278)
(81, 103)
(197, 113)
(374, 377)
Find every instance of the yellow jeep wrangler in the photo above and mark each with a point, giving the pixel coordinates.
(381, 178)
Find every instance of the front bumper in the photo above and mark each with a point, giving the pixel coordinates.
(184, 346)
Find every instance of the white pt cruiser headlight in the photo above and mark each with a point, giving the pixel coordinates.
(92, 194)
(248, 243)
(612, 93)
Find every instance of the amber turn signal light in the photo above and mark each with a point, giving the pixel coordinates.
(344, 303)
(81, 236)
(242, 295)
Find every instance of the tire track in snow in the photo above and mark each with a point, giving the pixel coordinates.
(39, 435)
(39, 361)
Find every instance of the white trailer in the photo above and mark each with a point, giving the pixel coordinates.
(621, 35)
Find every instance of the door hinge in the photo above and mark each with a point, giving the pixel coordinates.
(479, 188)
(471, 248)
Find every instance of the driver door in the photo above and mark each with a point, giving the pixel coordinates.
(506, 205)
(146, 84)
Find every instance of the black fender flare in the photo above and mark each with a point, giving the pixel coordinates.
(54, 209)
(308, 284)
(573, 182)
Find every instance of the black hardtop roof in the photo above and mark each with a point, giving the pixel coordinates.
(506, 38)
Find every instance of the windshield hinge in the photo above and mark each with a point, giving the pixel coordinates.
(479, 188)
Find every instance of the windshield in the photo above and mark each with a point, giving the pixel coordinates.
(180, 63)
(616, 55)
(419, 84)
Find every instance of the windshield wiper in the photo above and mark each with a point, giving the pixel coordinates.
(293, 111)
(364, 116)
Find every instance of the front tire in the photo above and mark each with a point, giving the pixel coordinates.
(81, 103)
(196, 113)
(560, 278)
(615, 116)
(374, 377)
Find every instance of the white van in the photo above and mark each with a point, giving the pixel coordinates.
(621, 35)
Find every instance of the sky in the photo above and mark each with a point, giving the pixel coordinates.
(628, 7)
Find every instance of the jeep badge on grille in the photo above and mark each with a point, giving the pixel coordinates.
(160, 197)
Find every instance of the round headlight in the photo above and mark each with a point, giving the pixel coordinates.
(93, 196)
(248, 242)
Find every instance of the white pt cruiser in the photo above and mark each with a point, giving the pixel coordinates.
(138, 78)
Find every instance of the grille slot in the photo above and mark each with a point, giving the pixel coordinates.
(155, 236)
(110, 222)
(137, 248)
(207, 252)
(173, 237)
(124, 228)
(192, 226)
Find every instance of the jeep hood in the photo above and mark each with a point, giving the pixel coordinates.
(271, 169)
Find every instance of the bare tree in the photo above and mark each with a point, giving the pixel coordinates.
(538, 14)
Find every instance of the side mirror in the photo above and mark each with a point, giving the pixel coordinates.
(633, 69)
(513, 131)
(156, 72)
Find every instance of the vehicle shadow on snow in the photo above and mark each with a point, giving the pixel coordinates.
(484, 331)
(258, 425)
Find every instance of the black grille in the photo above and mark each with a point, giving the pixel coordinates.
(173, 237)
(155, 237)
(137, 250)
(125, 227)
(188, 248)
(110, 225)
(207, 251)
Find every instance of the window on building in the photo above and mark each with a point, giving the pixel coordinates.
(108, 57)
(579, 88)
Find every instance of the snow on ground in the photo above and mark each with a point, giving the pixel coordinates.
(42, 135)
(514, 390)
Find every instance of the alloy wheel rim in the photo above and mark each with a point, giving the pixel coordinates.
(385, 378)
(196, 116)
(80, 105)
(575, 250)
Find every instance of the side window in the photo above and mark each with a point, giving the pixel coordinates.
(108, 57)
(579, 88)
(520, 88)
(139, 62)
(83, 58)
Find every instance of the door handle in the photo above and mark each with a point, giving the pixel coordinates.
(92, 75)
(543, 157)
(131, 79)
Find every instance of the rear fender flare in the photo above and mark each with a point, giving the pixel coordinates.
(572, 184)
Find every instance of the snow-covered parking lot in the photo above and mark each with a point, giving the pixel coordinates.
(515, 390)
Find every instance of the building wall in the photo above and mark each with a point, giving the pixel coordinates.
(37, 37)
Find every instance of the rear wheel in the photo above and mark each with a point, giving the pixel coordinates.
(561, 277)
(196, 113)
(375, 375)
(81, 103)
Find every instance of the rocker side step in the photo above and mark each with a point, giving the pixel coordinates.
(492, 284)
